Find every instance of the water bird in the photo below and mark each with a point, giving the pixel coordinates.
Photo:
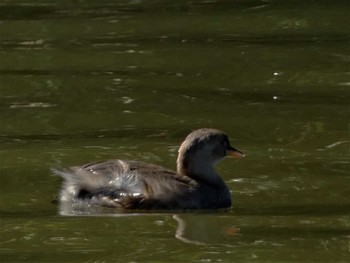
(129, 184)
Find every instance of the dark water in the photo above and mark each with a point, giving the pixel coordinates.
(90, 80)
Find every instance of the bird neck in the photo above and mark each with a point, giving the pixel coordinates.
(198, 168)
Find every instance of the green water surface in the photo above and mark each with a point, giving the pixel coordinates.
(93, 80)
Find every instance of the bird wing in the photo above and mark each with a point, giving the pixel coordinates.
(126, 184)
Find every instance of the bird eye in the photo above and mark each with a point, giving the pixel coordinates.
(226, 143)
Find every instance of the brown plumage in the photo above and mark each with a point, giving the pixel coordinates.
(138, 185)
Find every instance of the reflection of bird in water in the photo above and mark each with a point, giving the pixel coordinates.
(137, 185)
(207, 230)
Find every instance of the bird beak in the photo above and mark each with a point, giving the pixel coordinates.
(232, 152)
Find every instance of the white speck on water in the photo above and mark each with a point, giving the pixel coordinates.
(127, 100)
(336, 144)
(31, 105)
(97, 147)
(344, 84)
(159, 222)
